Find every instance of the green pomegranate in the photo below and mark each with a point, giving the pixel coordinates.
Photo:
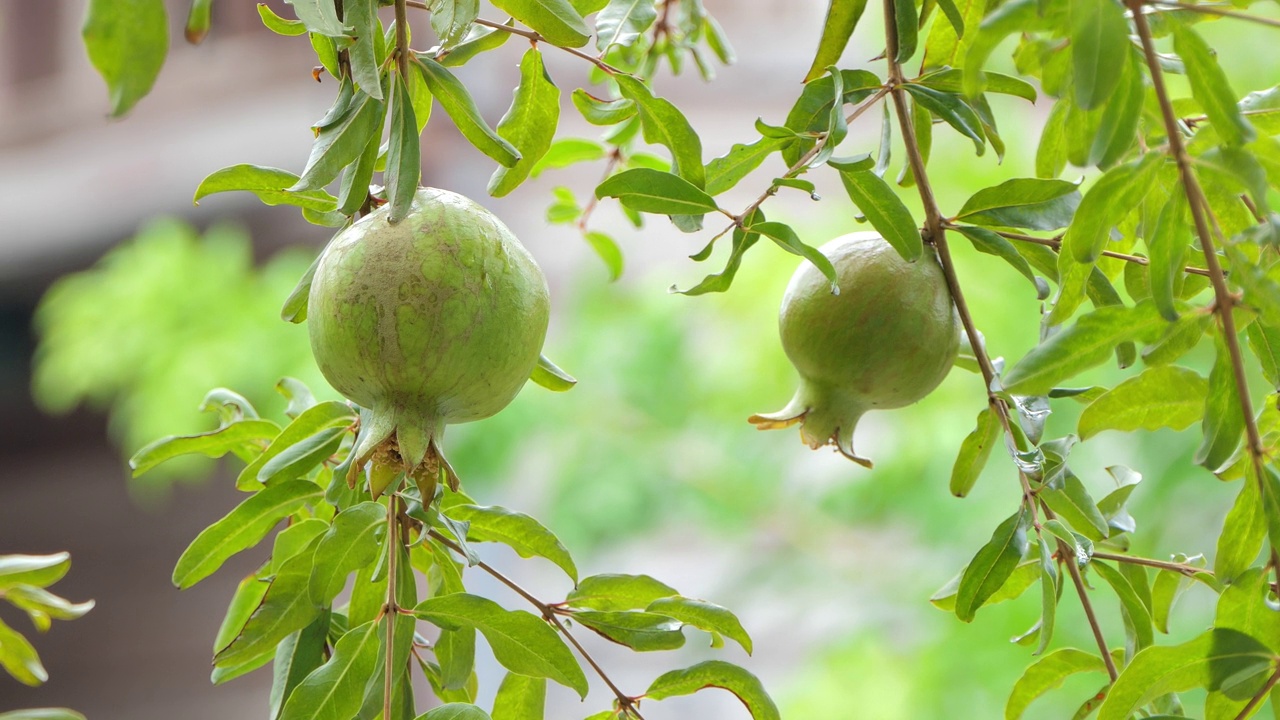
(435, 320)
(885, 341)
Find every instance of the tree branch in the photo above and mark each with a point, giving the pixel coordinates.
(1056, 244)
(1211, 10)
(625, 702)
(1261, 696)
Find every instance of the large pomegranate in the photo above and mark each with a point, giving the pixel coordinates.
(434, 320)
(887, 340)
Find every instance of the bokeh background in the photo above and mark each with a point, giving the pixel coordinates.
(648, 466)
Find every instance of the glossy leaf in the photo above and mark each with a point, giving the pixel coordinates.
(555, 20)
(270, 185)
(1099, 44)
(974, 451)
(528, 537)
(451, 19)
(1161, 397)
(455, 711)
(19, 659)
(325, 416)
(1113, 197)
(602, 112)
(885, 211)
(654, 191)
(320, 17)
(785, 237)
(718, 674)
(620, 22)
(1084, 345)
(241, 529)
(339, 144)
(1047, 673)
(216, 443)
(705, 616)
(565, 152)
(615, 593)
(127, 41)
(842, 17)
(1210, 87)
(521, 642)
(349, 544)
(530, 124)
(951, 80)
(1023, 203)
(640, 631)
(38, 570)
(520, 698)
(550, 376)
(285, 609)
(47, 713)
(1137, 613)
(664, 124)
(993, 564)
(334, 690)
(279, 25)
(1223, 423)
(461, 108)
(987, 241)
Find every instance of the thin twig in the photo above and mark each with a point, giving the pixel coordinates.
(391, 610)
(1056, 244)
(1181, 568)
(1261, 695)
(531, 36)
(935, 232)
(1211, 10)
(626, 702)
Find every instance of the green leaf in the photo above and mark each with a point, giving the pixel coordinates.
(640, 631)
(1086, 344)
(704, 616)
(127, 41)
(296, 657)
(550, 376)
(724, 172)
(1047, 673)
(199, 19)
(986, 241)
(1271, 505)
(1265, 343)
(974, 451)
(451, 19)
(362, 16)
(334, 690)
(608, 251)
(1210, 87)
(621, 22)
(907, 20)
(1223, 423)
(653, 191)
(946, 46)
(718, 674)
(842, 18)
(993, 564)
(457, 102)
(285, 609)
(1243, 532)
(1157, 670)
(528, 537)
(479, 39)
(353, 191)
(812, 111)
(455, 711)
(38, 570)
(521, 642)
(555, 20)
(404, 161)
(1106, 204)
(1161, 397)
(1049, 593)
(339, 144)
(19, 658)
(951, 80)
(785, 237)
(1138, 615)
(530, 124)
(742, 241)
(1023, 203)
(279, 25)
(248, 596)
(320, 16)
(325, 416)
(1023, 577)
(1099, 45)
(350, 543)
(520, 698)
(241, 529)
(1167, 246)
(1067, 496)
(565, 152)
(664, 124)
(302, 457)
(1244, 606)
(270, 185)
(456, 652)
(1118, 126)
(1051, 153)
(615, 593)
(602, 112)
(1008, 18)
(953, 110)
(885, 211)
(242, 434)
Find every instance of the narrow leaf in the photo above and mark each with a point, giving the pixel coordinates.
(885, 211)
(1023, 203)
(654, 191)
(993, 564)
(842, 18)
(404, 160)
(530, 124)
(528, 537)
(127, 41)
(556, 20)
(974, 452)
(1047, 673)
(704, 616)
(457, 102)
(1210, 87)
(1223, 423)
(664, 124)
(1099, 43)
(334, 690)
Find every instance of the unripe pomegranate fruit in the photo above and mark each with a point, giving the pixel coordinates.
(435, 320)
(885, 341)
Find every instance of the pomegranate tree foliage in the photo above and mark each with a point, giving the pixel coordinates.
(1174, 242)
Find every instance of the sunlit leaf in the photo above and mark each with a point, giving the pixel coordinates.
(614, 593)
(528, 537)
(530, 124)
(885, 211)
(1047, 673)
(556, 20)
(461, 108)
(704, 616)
(988, 571)
(842, 18)
(1210, 87)
(974, 451)
(717, 674)
(127, 41)
(1166, 396)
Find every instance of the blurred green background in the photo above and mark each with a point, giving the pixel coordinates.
(649, 464)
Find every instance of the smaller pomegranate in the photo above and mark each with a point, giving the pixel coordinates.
(886, 341)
